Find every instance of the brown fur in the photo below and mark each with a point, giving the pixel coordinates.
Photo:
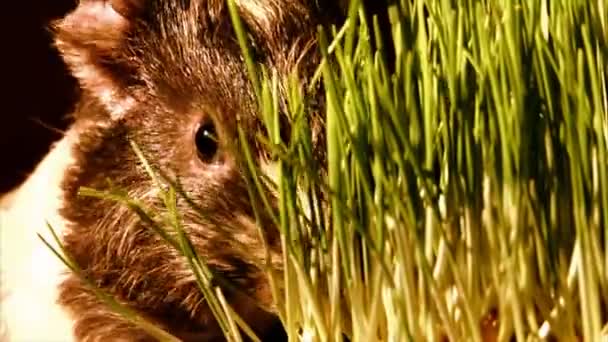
(152, 73)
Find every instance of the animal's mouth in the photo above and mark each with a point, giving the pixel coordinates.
(203, 326)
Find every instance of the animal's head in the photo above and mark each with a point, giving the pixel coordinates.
(170, 76)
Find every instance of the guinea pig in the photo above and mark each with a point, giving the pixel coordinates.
(170, 76)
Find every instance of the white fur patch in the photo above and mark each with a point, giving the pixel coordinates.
(103, 87)
(98, 13)
(30, 272)
(116, 105)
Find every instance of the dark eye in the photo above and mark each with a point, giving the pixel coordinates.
(206, 142)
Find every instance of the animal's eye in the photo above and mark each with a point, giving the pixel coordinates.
(206, 142)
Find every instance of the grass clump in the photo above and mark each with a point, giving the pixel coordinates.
(467, 182)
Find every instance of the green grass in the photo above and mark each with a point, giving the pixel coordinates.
(469, 182)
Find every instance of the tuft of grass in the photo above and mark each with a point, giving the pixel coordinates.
(465, 194)
(466, 186)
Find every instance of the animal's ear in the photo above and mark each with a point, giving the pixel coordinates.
(93, 40)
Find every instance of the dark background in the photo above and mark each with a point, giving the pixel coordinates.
(36, 91)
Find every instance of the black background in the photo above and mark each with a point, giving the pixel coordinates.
(36, 90)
